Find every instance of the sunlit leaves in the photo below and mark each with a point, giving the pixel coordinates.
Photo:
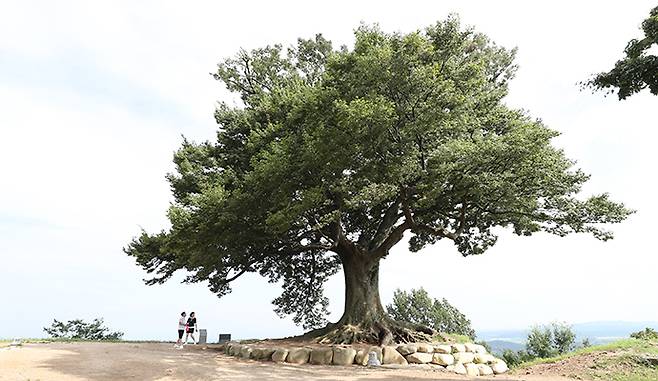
(354, 147)
(638, 70)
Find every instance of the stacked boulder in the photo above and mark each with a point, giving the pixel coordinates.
(468, 359)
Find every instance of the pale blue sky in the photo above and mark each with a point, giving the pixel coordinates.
(95, 98)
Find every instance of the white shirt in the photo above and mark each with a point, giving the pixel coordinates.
(181, 323)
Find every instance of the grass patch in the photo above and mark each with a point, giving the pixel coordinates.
(628, 345)
(626, 367)
(628, 360)
(457, 338)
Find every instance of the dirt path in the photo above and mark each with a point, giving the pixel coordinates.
(160, 362)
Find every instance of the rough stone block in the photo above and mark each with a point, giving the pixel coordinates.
(392, 356)
(343, 356)
(322, 356)
(472, 369)
(298, 355)
(443, 359)
(425, 348)
(406, 349)
(442, 348)
(458, 348)
(420, 358)
(464, 357)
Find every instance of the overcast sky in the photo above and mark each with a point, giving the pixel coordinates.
(94, 98)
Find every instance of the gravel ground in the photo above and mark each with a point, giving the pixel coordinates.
(161, 362)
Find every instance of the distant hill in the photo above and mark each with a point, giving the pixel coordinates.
(498, 346)
(598, 332)
(611, 329)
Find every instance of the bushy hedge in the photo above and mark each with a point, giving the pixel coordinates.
(78, 329)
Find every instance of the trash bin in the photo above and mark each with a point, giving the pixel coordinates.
(224, 338)
(203, 336)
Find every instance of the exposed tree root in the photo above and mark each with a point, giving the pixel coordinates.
(380, 333)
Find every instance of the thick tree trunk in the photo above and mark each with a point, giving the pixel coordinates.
(364, 319)
(362, 303)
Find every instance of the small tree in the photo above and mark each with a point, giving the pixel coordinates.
(548, 341)
(418, 307)
(539, 342)
(80, 330)
(563, 338)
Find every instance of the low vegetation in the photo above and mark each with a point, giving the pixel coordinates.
(78, 329)
(633, 359)
(416, 306)
(544, 342)
(646, 334)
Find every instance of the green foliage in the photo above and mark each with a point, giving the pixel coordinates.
(630, 346)
(335, 153)
(452, 337)
(539, 342)
(563, 338)
(638, 70)
(646, 334)
(79, 329)
(544, 342)
(516, 358)
(418, 307)
(625, 360)
(548, 341)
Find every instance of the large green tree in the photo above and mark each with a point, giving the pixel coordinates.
(639, 69)
(335, 155)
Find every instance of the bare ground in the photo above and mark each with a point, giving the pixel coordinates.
(160, 362)
(570, 367)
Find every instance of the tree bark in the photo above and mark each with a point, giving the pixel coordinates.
(362, 302)
(364, 318)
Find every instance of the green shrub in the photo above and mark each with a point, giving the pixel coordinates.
(548, 341)
(539, 342)
(544, 342)
(80, 330)
(514, 358)
(563, 338)
(646, 334)
(418, 307)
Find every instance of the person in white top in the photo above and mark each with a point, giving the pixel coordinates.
(182, 322)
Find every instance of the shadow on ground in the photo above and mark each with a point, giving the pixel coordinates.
(160, 362)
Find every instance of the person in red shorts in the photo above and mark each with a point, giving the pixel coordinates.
(191, 327)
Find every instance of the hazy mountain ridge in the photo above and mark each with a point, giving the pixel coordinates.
(597, 332)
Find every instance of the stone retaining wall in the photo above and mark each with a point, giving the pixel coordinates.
(469, 359)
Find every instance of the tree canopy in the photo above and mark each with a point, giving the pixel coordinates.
(335, 154)
(639, 69)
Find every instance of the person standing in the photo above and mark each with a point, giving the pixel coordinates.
(191, 327)
(181, 329)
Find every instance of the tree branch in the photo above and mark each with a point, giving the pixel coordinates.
(391, 217)
(239, 274)
(392, 239)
